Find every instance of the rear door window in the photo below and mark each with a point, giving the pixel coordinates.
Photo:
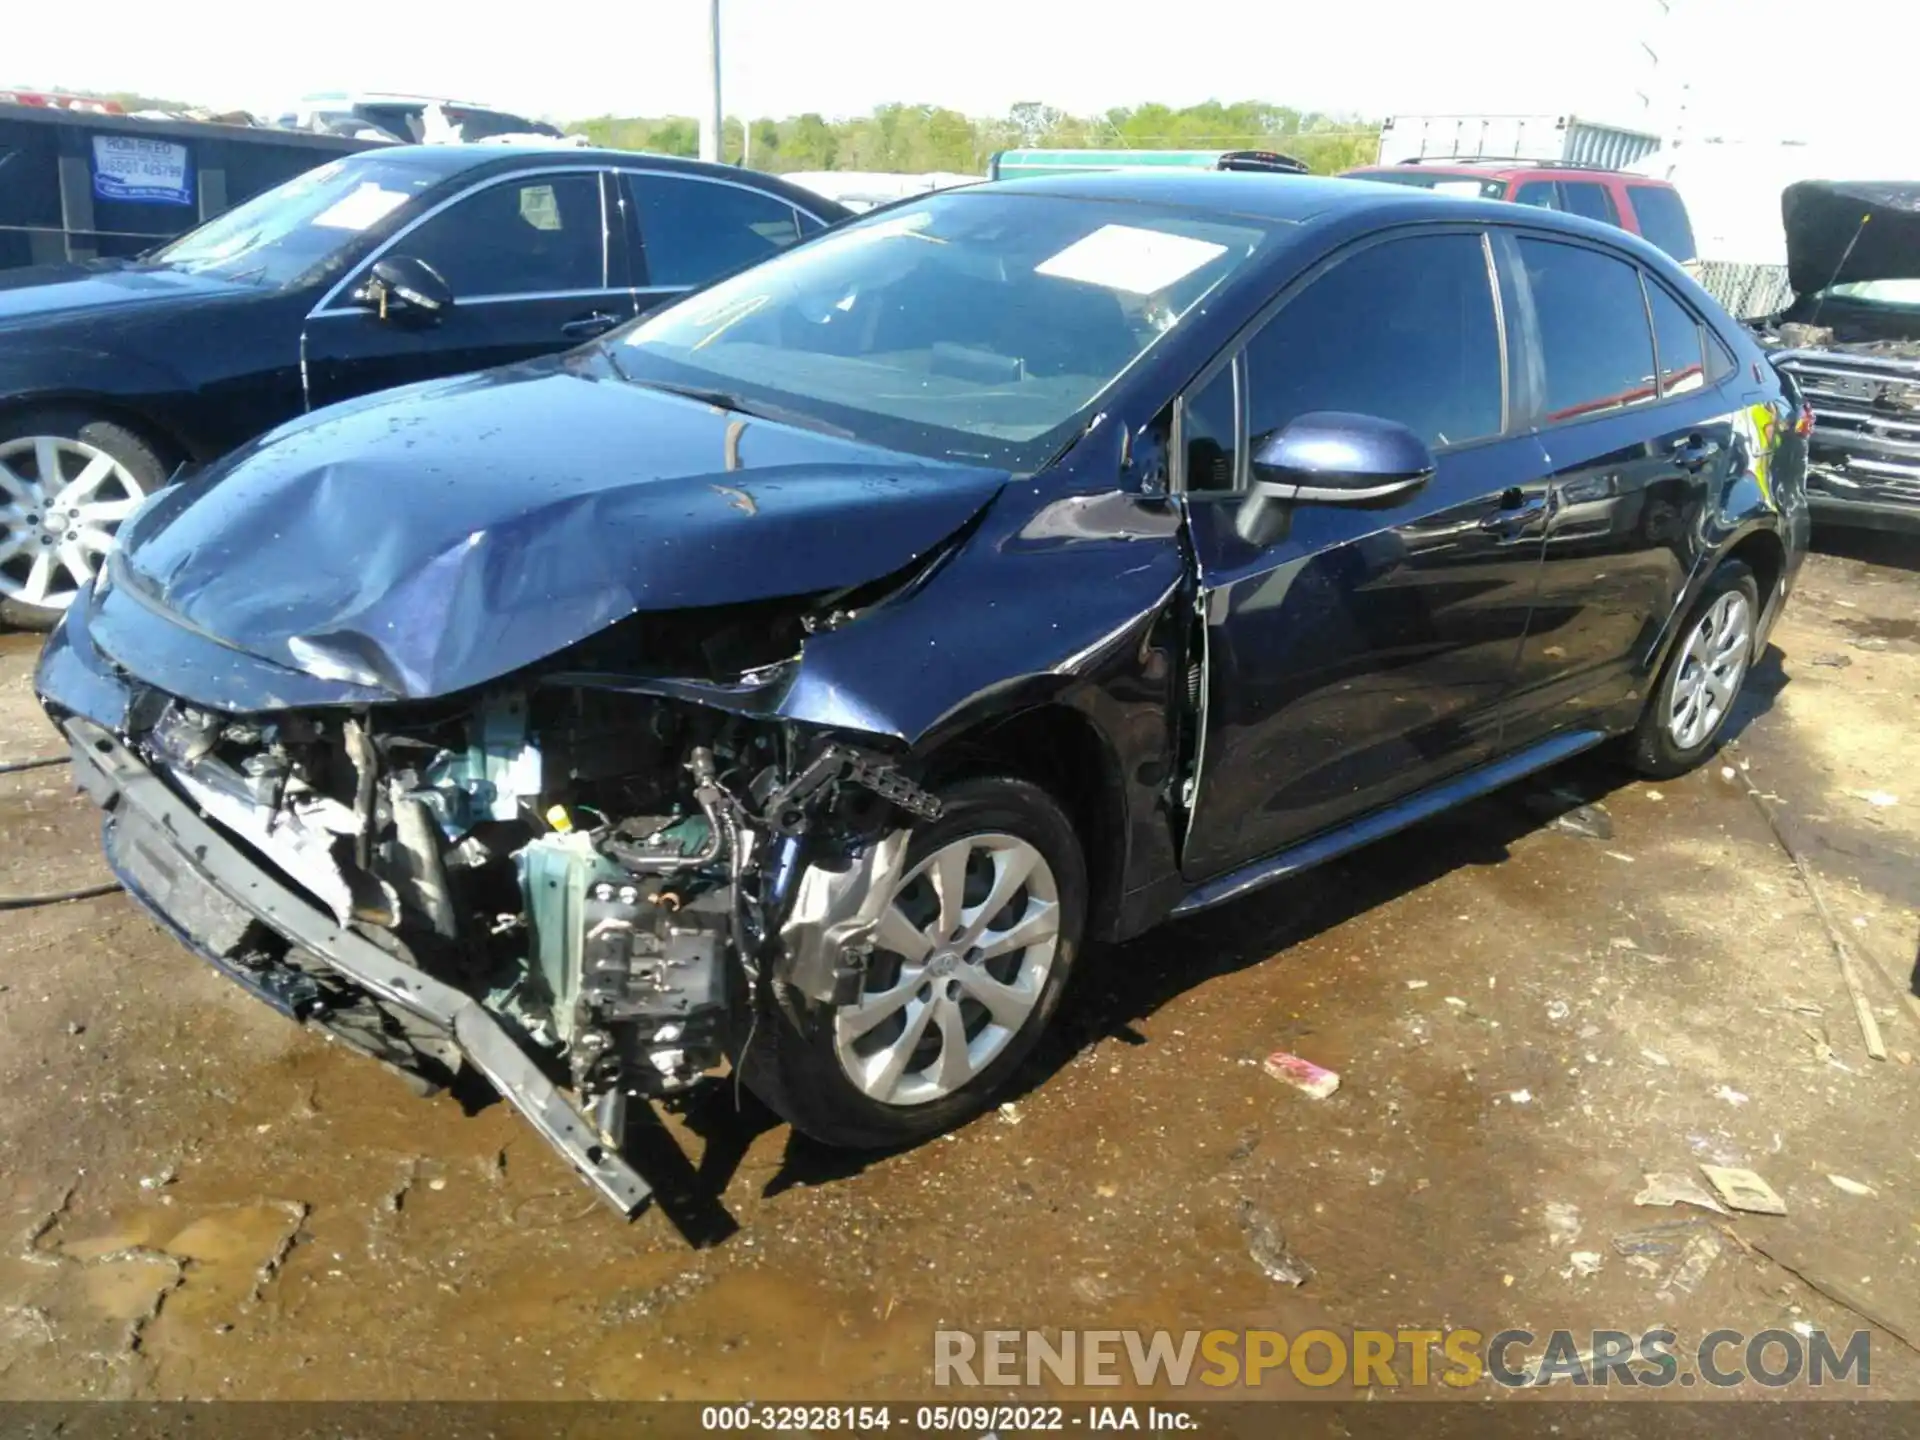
(694, 230)
(1676, 335)
(1596, 346)
(1663, 219)
(1588, 198)
(1404, 330)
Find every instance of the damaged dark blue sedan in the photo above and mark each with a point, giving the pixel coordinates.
(797, 679)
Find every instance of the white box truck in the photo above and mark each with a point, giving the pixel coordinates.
(1566, 139)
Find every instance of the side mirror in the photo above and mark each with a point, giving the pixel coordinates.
(406, 285)
(1333, 458)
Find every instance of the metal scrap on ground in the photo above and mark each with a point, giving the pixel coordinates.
(1744, 1190)
(1671, 1188)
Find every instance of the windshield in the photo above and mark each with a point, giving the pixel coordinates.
(281, 237)
(1877, 292)
(971, 325)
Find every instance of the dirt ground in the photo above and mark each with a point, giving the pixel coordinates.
(201, 1200)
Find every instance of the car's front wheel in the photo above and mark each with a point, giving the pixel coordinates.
(1697, 689)
(67, 481)
(969, 962)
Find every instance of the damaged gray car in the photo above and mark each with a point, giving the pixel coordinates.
(1851, 342)
(789, 685)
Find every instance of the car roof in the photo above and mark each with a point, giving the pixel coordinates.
(1508, 170)
(1291, 199)
(450, 160)
(1309, 204)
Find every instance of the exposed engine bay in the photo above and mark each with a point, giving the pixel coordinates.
(618, 878)
(1850, 342)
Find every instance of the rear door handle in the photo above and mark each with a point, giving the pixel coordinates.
(1693, 453)
(585, 327)
(1512, 518)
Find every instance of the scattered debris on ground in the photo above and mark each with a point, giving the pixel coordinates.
(1303, 1075)
(1671, 1188)
(1269, 1248)
(1744, 1190)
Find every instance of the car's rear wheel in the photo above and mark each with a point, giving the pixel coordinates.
(1698, 687)
(968, 966)
(67, 481)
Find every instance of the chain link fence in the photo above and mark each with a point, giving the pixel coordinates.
(1747, 291)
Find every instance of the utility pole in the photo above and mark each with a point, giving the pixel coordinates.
(710, 117)
(1667, 93)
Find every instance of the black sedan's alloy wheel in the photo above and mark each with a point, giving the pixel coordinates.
(968, 966)
(67, 482)
(1701, 681)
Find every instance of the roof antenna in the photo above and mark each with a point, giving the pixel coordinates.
(1845, 255)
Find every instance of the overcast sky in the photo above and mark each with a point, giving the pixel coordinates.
(1759, 67)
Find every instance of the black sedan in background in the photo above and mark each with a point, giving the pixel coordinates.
(374, 270)
(796, 678)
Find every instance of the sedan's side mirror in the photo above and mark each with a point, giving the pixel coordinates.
(1334, 458)
(400, 283)
(1331, 457)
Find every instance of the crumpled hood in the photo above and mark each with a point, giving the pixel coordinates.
(1840, 231)
(50, 293)
(432, 538)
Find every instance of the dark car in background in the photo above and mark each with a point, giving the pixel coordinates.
(798, 678)
(1637, 204)
(376, 269)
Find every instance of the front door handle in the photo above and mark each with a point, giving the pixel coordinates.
(1510, 519)
(1694, 452)
(585, 327)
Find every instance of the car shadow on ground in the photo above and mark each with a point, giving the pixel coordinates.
(1117, 986)
(1765, 683)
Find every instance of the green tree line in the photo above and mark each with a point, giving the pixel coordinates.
(917, 138)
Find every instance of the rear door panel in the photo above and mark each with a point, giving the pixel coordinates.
(1635, 450)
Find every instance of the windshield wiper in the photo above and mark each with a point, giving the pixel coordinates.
(740, 405)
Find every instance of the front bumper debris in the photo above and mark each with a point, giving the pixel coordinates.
(207, 891)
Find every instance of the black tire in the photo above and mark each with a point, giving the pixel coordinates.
(1653, 749)
(132, 452)
(792, 1063)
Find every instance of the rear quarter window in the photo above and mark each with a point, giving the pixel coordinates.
(1676, 333)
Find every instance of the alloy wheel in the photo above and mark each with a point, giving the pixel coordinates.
(61, 501)
(1711, 668)
(960, 959)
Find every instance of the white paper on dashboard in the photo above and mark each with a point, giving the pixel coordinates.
(1127, 258)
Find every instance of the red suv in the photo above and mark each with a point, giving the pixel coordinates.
(1649, 208)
